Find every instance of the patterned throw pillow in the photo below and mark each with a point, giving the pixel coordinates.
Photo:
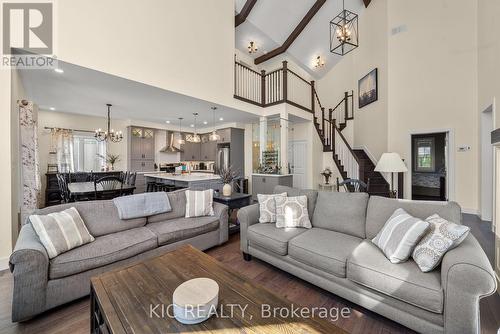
(292, 212)
(267, 207)
(61, 231)
(199, 203)
(400, 235)
(442, 236)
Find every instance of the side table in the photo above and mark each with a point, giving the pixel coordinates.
(234, 202)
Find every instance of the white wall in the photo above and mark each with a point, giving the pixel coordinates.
(432, 76)
(182, 46)
(369, 127)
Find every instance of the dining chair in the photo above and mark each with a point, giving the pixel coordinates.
(352, 185)
(129, 181)
(108, 187)
(63, 188)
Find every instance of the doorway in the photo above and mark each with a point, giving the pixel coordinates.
(486, 162)
(297, 153)
(429, 167)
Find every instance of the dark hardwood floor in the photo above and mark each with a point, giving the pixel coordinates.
(73, 318)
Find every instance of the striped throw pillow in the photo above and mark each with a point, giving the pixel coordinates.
(61, 231)
(399, 236)
(199, 203)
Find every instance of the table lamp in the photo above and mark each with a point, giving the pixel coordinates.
(391, 163)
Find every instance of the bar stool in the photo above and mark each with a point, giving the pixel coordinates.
(151, 187)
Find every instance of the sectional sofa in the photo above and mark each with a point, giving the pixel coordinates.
(41, 284)
(337, 255)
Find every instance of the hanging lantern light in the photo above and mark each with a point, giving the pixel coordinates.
(214, 136)
(344, 35)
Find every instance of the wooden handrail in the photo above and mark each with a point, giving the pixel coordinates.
(346, 143)
(246, 67)
(298, 76)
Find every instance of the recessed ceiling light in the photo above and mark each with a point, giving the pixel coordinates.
(59, 70)
(52, 108)
(221, 119)
(168, 122)
(192, 125)
(205, 122)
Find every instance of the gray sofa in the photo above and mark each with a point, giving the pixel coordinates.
(41, 284)
(337, 255)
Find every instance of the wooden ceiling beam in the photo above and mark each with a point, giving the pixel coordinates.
(293, 36)
(245, 11)
(367, 2)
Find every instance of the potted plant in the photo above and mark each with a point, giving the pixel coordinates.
(327, 173)
(112, 159)
(227, 176)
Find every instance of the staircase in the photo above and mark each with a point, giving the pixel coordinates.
(352, 164)
(283, 85)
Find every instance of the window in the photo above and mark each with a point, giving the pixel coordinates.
(88, 153)
(424, 151)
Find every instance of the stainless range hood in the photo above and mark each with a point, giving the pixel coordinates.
(169, 147)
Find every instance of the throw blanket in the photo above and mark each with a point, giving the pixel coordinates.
(142, 205)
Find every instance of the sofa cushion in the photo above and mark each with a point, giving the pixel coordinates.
(323, 249)
(381, 208)
(102, 251)
(368, 266)
(177, 202)
(271, 238)
(174, 230)
(309, 193)
(100, 217)
(341, 212)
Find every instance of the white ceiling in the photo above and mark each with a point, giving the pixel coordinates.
(84, 91)
(271, 21)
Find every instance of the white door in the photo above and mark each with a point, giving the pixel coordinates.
(298, 165)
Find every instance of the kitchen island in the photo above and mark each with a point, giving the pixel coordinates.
(193, 180)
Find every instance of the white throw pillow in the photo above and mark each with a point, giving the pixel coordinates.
(441, 237)
(400, 235)
(199, 203)
(292, 212)
(267, 207)
(61, 231)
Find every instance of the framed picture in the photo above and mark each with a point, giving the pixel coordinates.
(368, 89)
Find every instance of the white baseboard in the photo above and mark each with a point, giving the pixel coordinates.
(4, 263)
(471, 211)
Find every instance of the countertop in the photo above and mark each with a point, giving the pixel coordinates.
(193, 177)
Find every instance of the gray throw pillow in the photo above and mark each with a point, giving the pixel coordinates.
(292, 212)
(267, 207)
(441, 237)
(199, 203)
(61, 231)
(400, 235)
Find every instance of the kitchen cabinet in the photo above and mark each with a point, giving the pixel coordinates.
(191, 151)
(225, 135)
(208, 150)
(141, 149)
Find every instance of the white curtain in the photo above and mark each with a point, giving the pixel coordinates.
(30, 168)
(64, 147)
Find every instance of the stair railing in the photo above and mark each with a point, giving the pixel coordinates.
(344, 110)
(345, 155)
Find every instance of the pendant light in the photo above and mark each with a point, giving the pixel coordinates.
(344, 32)
(181, 141)
(194, 137)
(214, 136)
(109, 134)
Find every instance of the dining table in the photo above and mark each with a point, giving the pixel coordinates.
(80, 190)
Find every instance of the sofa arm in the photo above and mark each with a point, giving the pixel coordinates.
(466, 277)
(247, 216)
(221, 211)
(29, 264)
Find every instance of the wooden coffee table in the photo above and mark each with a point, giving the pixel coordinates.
(122, 300)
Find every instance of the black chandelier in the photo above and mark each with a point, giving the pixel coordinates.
(109, 134)
(344, 32)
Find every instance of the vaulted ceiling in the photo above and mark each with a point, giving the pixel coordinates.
(270, 22)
